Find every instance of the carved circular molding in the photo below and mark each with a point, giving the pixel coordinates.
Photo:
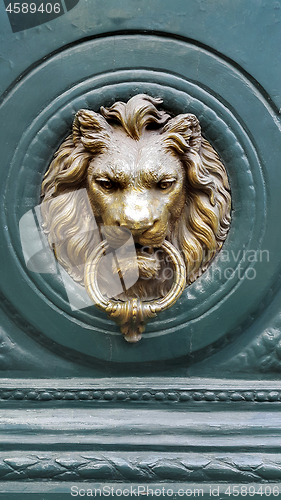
(226, 104)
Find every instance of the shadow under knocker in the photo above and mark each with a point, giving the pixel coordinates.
(148, 173)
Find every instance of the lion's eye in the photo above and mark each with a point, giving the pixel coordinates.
(106, 184)
(165, 184)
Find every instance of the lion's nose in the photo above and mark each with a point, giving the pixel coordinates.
(137, 227)
(137, 219)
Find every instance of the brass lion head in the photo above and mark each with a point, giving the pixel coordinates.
(146, 174)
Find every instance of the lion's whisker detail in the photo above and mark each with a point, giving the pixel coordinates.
(136, 205)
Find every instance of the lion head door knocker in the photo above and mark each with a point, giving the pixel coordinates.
(149, 176)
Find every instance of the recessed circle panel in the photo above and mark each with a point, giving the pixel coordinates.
(222, 298)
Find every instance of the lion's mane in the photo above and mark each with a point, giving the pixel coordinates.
(67, 215)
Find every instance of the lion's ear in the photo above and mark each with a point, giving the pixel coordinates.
(91, 129)
(184, 129)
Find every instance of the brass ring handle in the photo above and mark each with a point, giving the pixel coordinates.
(132, 315)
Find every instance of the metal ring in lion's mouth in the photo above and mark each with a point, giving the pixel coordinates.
(132, 315)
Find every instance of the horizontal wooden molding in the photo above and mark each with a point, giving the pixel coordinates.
(138, 468)
(126, 391)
